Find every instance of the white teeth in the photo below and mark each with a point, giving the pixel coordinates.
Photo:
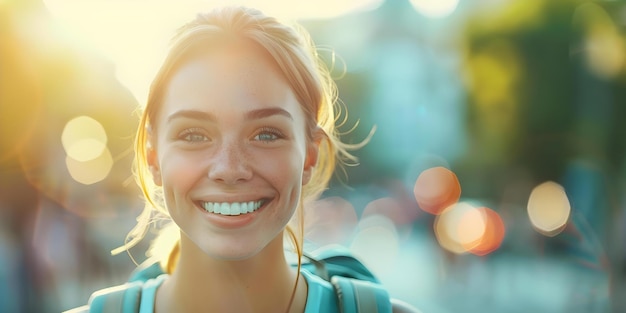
(234, 208)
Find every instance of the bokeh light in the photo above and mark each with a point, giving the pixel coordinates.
(604, 47)
(91, 171)
(435, 8)
(391, 208)
(549, 208)
(436, 189)
(464, 228)
(493, 234)
(330, 220)
(459, 228)
(376, 243)
(84, 139)
(495, 71)
(471, 228)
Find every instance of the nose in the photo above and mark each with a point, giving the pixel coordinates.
(230, 165)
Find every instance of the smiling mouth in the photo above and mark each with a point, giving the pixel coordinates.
(232, 208)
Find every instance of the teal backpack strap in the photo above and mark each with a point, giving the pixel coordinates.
(119, 299)
(125, 298)
(356, 287)
(360, 296)
(336, 260)
(146, 270)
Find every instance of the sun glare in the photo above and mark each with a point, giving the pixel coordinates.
(134, 34)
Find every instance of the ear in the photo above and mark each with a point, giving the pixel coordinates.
(312, 154)
(153, 164)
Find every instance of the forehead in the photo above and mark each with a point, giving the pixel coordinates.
(238, 75)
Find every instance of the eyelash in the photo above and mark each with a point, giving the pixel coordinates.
(275, 133)
(188, 135)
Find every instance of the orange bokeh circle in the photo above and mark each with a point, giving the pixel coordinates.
(493, 235)
(436, 189)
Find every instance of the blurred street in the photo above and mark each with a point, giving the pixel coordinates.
(495, 180)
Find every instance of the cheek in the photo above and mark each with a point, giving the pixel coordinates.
(285, 172)
(284, 167)
(179, 173)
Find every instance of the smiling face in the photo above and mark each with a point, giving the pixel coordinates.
(230, 151)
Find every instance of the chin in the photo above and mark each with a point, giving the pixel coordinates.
(233, 251)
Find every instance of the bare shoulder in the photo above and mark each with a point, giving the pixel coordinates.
(399, 306)
(82, 309)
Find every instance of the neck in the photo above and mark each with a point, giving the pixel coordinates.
(262, 283)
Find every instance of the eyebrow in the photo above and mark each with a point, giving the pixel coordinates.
(250, 115)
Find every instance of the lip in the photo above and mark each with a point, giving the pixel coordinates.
(231, 221)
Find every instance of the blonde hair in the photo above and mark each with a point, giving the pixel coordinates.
(294, 53)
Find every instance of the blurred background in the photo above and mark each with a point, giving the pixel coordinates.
(495, 180)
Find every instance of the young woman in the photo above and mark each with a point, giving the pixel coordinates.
(237, 135)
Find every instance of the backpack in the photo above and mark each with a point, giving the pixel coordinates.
(356, 287)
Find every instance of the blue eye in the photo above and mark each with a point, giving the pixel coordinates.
(192, 135)
(268, 135)
(195, 137)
